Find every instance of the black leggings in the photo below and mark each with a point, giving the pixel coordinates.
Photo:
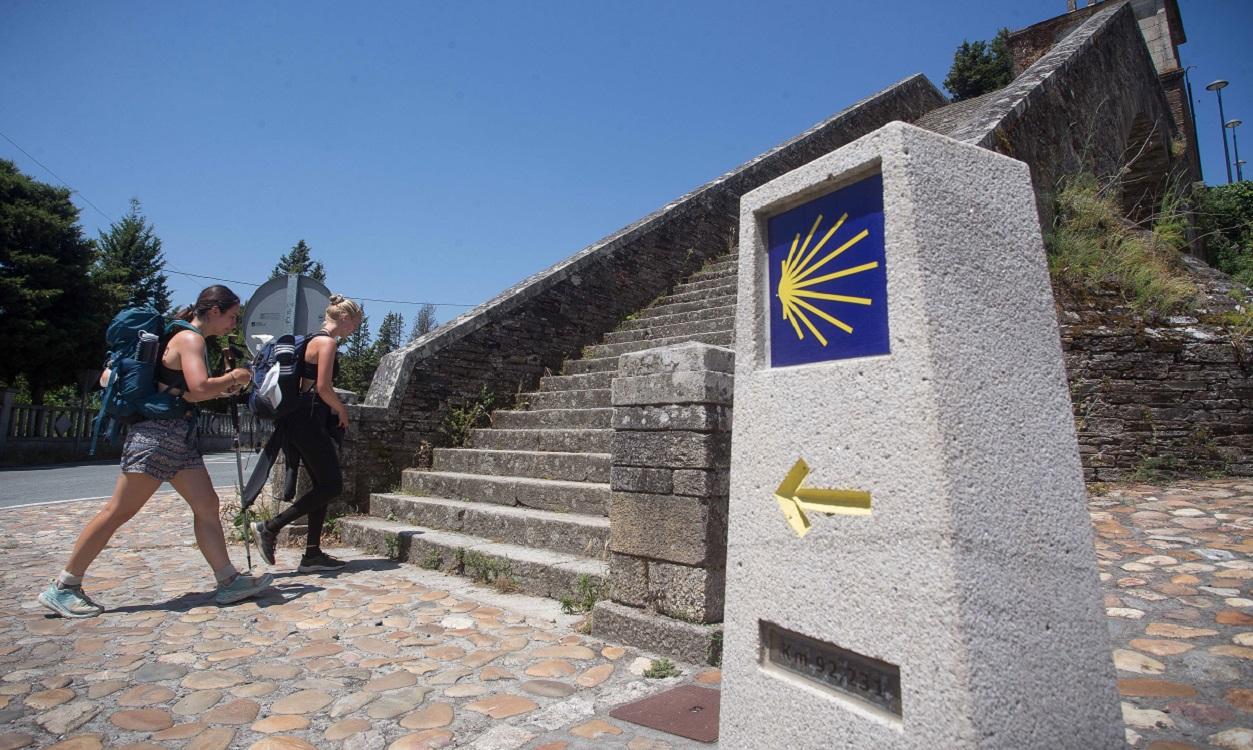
(307, 432)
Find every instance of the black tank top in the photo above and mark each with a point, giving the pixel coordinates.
(168, 376)
(309, 370)
(171, 377)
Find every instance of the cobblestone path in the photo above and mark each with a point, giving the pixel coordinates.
(376, 656)
(386, 656)
(1176, 566)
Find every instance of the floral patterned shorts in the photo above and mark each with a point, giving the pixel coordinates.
(161, 448)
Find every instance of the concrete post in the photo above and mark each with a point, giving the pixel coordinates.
(911, 561)
(6, 414)
(671, 453)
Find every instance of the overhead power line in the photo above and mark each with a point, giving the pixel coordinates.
(351, 296)
(58, 179)
(111, 220)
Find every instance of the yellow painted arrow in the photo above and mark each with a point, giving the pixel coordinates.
(794, 500)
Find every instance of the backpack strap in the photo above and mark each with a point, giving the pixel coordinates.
(98, 422)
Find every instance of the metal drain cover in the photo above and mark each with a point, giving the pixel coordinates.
(688, 711)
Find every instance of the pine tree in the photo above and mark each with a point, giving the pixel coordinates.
(129, 265)
(390, 334)
(358, 360)
(300, 260)
(424, 323)
(52, 318)
(980, 67)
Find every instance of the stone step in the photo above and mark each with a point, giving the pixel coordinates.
(652, 321)
(591, 398)
(717, 285)
(587, 536)
(710, 325)
(590, 498)
(716, 270)
(719, 338)
(665, 307)
(571, 467)
(537, 572)
(700, 295)
(555, 418)
(593, 364)
(552, 439)
(595, 380)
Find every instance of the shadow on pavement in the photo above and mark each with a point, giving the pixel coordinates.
(374, 564)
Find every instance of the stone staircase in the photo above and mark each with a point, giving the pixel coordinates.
(526, 507)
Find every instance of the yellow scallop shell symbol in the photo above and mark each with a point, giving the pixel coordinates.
(797, 278)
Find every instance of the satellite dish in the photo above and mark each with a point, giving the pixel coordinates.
(286, 304)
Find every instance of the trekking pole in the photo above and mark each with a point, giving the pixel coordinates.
(228, 355)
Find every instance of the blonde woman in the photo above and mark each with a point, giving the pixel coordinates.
(166, 450)
(310, 431)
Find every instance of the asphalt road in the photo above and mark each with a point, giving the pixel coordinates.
(88, 480)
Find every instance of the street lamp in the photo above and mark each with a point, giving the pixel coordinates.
(1217, 87)
(1232, 125)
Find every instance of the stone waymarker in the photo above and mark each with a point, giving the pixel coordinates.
(910, 559)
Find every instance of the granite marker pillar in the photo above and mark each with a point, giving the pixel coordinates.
(910, 560)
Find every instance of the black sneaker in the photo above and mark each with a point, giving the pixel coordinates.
(312, 562)
(266, 541)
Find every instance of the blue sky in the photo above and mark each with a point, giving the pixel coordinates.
(444, 151)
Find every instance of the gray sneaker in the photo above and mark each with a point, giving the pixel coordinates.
(243, 587)
(266, 541)
(69, 601)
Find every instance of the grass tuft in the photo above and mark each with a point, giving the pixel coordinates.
(1092, 248)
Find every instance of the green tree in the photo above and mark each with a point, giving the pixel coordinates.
(358, 360)
(130, 266)
(300, 260)
(980, 67)
(424, 323)
(391, 334)
(52, 318)
(1225, 219)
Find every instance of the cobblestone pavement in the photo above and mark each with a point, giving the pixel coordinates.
(386, 656)
(1176, 566)
(375, 656)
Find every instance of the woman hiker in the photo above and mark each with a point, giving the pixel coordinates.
(166, 450)
(311, 432)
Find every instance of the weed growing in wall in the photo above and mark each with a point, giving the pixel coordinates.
(587, 591)
(461, 420)
(713, 651)
(481, 568)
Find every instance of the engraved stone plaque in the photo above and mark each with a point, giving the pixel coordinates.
(846, 672)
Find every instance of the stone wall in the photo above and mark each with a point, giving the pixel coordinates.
(505, 345)
(1160, 395)
(670, 483)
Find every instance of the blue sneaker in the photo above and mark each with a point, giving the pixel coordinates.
(243, 587)
(69, 601)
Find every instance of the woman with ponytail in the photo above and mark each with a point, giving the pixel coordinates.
(310, 431)
(166, 450)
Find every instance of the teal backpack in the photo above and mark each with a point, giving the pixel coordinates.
(136, 339)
